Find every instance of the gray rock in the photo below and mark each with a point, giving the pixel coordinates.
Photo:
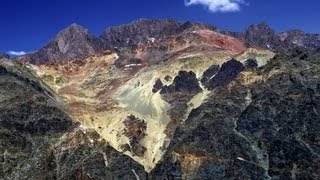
(274, 136)
(70, 43)
(38, 139)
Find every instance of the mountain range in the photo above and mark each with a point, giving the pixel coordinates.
(75, 41)
(163, 99)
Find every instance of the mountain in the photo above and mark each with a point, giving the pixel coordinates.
(70, 43)
(164, 99)
(145, 31)
(263, 36)
(159, 36)
(301, 39)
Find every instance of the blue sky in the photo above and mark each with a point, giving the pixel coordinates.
(26, 25)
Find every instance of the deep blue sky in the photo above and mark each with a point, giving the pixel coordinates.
(28, 24)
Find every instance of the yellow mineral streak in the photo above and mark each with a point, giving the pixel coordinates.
(262, 56)
(101, 96)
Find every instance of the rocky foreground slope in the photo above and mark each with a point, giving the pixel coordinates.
(175, 101)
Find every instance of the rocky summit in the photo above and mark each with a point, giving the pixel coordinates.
(70, 43)
(163, 99)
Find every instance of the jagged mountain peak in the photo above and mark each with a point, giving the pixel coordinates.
(75, 25)
(74, 28)
(262, 25)
(72, 42)
(162, 35)
(73, 36)
(263, 36)
(295, 31)
(260, 29)
(140, 32)
(137, 32)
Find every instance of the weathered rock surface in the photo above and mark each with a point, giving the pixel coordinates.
(161, 39)
(73, 42)
(263, 36)
(38, 139)
(146, 40)
(228, 71)
(157, 86)
(142, 31)
(262, 130)
(183, 88)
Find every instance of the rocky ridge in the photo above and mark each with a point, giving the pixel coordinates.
(263, 36)
(160, 36)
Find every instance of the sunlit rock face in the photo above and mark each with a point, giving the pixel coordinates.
(103, 90)
(103, 96)
(72, 42)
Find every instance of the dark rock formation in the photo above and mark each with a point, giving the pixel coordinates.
(180, 92)
(185, 82)
(209, 73)
(273, 136)
(157, 86)
(228, 71)
(251, 64)
(183, 88)
(135, 130)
